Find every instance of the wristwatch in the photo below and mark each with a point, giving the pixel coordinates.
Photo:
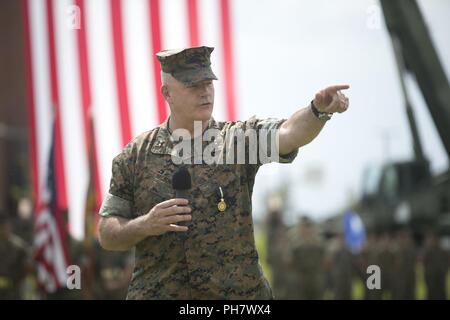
(319, 114)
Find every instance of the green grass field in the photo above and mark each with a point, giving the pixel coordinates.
(260, 241)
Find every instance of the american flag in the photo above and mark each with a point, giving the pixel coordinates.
(94, 60)
(92, 74)
(51, 253)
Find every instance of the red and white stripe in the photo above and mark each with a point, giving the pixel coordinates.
(51, 262)
(107, 70)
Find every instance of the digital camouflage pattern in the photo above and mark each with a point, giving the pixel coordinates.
(190, 65)
(216, 258)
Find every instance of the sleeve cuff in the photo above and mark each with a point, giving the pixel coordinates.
(115, 206)
(286, 158)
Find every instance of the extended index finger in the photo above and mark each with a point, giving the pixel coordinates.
(336, 88)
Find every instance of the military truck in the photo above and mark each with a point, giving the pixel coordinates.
(407, 193)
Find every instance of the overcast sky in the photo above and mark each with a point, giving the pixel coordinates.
(286, 52)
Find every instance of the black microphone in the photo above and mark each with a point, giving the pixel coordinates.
(181, 183)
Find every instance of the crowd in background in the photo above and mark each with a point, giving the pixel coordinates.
(309, 263)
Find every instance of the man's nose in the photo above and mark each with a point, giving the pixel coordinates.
(203, 90)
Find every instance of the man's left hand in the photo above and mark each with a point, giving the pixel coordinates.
(331, 100)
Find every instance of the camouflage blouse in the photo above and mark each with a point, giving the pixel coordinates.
(216, 258)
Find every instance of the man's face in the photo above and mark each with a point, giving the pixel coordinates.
(190, 103)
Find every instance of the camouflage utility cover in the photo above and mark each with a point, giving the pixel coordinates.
(216, 258)
(189, 65)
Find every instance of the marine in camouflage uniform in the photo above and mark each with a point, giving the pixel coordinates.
(308, 253)
(371, 256)
(387, 262)
(404, 287)
(342, 268)
(277, 253)
(216, 257)
(435, 262)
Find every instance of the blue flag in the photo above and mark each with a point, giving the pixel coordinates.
(354, 231)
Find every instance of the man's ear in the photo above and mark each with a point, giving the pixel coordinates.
(165, 92)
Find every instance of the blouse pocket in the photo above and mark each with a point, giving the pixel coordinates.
(153, 189)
